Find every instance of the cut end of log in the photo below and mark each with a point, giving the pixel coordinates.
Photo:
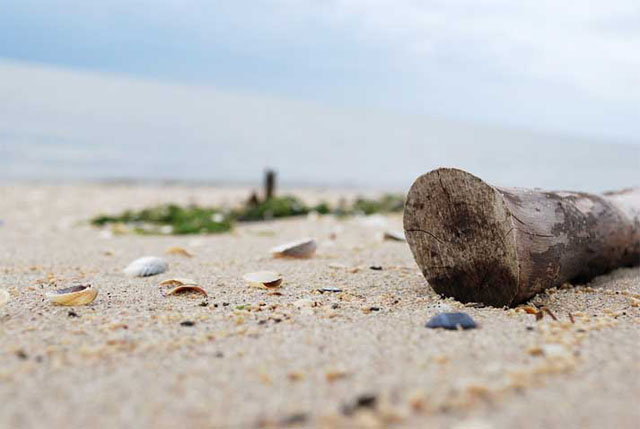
(462, 236)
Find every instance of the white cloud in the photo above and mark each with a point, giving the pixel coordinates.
(592, 46)
(571, 67)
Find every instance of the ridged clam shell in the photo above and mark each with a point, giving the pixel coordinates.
(186, 288)
(296, 249)
(75, 295)
(177, 282)
(146, 266)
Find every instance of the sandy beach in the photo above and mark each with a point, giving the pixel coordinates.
(301, 358)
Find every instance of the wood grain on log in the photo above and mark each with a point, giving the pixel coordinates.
(501, 246)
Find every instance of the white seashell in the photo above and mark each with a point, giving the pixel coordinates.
(146, 266)
(296, 249)
(4, 297)
(394, 236)
(75, 295)
(177, 282)
(264, 278)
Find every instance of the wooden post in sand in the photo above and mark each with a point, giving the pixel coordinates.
(269, 184)
(501, 246)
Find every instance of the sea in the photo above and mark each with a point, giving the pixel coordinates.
(65, 126)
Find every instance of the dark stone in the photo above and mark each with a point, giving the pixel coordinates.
(187, 323)
(451, 321)
(375, 268)
(72, 313)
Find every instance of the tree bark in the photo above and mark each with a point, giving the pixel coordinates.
(501, 246)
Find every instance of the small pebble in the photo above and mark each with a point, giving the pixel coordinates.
(451, 321)
(375, 268)
(187, 323)
(72, 313)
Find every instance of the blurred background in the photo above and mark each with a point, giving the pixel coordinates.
(338, 93)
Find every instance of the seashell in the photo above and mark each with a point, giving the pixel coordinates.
(296, 249)
(146, 266)
(186, 288)
(177, 282)
(4, 297)
(269, 279)
(177, 250)
(394, 236)
(74, 295)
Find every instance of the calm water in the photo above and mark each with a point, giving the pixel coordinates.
(58, 125)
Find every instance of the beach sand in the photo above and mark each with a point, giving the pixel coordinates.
(360, 358)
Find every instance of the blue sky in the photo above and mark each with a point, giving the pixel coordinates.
(563, 67)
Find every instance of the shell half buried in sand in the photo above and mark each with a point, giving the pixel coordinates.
(146, 266)
(394, 236)
(269, 279)
(4, 297)
(184, 289)
(305, 248)
(177, 282)
(74, 295)
(177, 250)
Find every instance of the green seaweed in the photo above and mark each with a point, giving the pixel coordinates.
(272, 208)
(192, 219)
(388, 203)
(182, 220)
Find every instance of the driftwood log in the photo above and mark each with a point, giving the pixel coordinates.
(500, 246)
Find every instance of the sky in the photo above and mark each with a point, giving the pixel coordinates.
(569, 68)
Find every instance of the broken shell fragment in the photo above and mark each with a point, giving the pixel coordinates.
(74, 295)
(394, 236)
(181, 251)
(177, 282)
(146, 266)
(186, 288)
(4, 297)
(305, 248)
(269, 279)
